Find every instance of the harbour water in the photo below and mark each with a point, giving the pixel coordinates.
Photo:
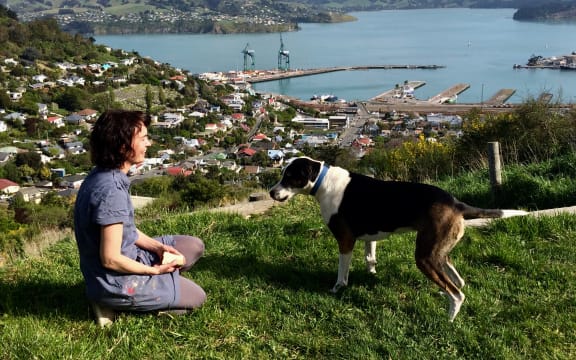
(476, 46)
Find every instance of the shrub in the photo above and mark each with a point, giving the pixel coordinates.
(422, 160)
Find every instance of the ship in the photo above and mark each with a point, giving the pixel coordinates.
(570, 66)
(325, 98)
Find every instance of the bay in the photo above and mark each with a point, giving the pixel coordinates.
(477, 46)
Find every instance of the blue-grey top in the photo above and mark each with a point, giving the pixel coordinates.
(104, 199)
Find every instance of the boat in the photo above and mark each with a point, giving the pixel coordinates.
(328, 98)
(324, 98)
(570, 66)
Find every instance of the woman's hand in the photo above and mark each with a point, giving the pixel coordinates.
(166, 268)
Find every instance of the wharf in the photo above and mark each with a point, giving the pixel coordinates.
(500, 97)
(393, 93)
(273, 75)
(449, 93)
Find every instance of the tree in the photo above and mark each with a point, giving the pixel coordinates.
(44, 173)
(5, 101)
(161, 96)
(31, 125)
(72, 99)
(199, 190)
(26, 172)
(31, 54)
(149, 98)
(30, 158)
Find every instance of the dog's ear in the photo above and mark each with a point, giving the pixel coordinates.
(288, 162)
(312, 170)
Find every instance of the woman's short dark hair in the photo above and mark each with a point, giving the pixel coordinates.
(111, 138)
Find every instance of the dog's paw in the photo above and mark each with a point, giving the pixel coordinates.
(337, 288)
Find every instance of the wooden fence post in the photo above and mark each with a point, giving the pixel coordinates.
(494, 167)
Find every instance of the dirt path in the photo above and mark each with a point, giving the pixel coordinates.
(249, 208)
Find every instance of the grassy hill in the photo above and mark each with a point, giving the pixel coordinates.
(268, 280)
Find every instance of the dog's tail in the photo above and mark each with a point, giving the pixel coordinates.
(472, 212)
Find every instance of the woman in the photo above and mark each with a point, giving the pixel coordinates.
(121, 265)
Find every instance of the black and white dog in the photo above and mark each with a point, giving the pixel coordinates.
(358, 207)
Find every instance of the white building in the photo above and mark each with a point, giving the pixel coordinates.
(312, 122)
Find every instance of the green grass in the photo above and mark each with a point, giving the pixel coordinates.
(268, 280)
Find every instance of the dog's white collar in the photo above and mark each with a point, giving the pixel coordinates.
(319, 179)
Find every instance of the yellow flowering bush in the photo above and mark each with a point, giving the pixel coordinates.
(420, 160)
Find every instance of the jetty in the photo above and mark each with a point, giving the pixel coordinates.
(273, 75)
(397, 92)
(450, 93)
(500, 97)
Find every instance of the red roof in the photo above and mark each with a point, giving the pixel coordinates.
(247, 151)
(4, 183)
(87, 112)
(177, 170)
(260, 136)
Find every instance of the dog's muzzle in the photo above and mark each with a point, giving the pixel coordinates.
(276, 194)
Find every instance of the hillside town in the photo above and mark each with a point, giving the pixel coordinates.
(323, 124)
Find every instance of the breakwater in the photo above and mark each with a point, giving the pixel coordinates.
(258, 76)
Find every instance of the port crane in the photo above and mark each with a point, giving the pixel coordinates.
(283, 56)
(249, 58)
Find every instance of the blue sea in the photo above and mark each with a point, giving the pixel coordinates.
(477, 46)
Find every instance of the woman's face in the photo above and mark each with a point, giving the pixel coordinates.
(140, 143)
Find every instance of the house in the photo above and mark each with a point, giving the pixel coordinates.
(238, 117)
(197, 114)
(55, 120)
(89, 115)
(46, 184)
(10, 61)
(260, 137)
(42, 109)
(72, 181)
(15, 117)
(37, 86)
(178, 171)
(13, 150)
(74, 147)
(128, 61)
(40, 78)
(263, 145)
(436, 119)
(74, 119)
(277, 157)
(178, 78)
(65, 66)
(14, 95)
(231, 165)
(312, 140)
(5, 157)
(191, 143)
(252, 169)
(362, 142)
(171, 120)
(276, 154)
(246, 152)
(31, 194)
(210, 128)
(8, 187)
